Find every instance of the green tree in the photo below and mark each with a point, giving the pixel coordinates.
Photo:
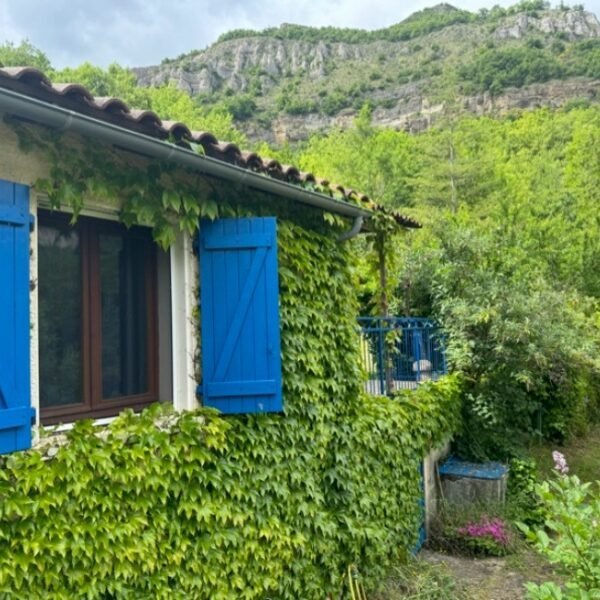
(167, 101)
(373, 160)
(23, 54)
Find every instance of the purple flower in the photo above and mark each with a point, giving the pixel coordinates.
(560, 462)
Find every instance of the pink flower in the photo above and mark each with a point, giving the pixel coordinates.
(486, 528)
(560, 462)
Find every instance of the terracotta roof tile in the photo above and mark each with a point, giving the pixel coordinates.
(204, 138)
(291, 173)
(32, 82)
(73, 89)
(252, 161)
(273, 168)
(177, 130)
(145, 116)
(226, 151)
(341, 189)
(27, 75)
(110, 104)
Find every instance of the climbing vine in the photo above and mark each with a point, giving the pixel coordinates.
(197, 505)
(147, 192)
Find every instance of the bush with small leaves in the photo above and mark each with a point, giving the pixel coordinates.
(571, 535)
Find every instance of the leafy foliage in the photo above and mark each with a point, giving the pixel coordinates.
(498, 68)
(376, 161)
(196, 505)
(584, 59)
(418, 24)
(505, 260)
(23, 54)
(496, 311)
(522, 499)
(570, 538)
(153, 193)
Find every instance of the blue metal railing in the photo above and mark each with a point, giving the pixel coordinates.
(399, 352)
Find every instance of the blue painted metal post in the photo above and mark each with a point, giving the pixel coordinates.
(381, 360)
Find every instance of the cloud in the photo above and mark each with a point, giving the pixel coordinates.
(142, 32)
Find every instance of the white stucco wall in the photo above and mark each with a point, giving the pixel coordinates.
(14, 164)
(430, 483)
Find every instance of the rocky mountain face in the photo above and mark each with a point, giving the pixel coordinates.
(571, 23)
(284, 89)
(232, 63)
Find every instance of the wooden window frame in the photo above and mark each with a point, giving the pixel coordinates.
(93, 405)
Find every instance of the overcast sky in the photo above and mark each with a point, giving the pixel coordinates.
(142, 32)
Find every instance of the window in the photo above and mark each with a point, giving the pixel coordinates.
(97, 318)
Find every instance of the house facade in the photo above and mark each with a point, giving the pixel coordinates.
(97, 317)
(142, 262)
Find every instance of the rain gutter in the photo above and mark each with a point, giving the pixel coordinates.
(67, 120)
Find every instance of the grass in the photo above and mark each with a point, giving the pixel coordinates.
(420, 580)
(531, 565)
(582, 454)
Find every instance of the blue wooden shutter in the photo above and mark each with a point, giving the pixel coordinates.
(239, 303)
(15, 405)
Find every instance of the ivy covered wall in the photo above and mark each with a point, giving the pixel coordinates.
(201, 506)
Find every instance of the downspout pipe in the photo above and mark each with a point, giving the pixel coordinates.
(67, 120)
(354, 231)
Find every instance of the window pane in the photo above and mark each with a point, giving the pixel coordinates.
(60, 305)
(123, 259)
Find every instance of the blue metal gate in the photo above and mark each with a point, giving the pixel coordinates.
(399, 352)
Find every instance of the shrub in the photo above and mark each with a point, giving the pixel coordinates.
(523, 504)
(473, 530)
(334, 102)
(487, 536)
(241, 106)
(496, 69)
(496, 312)
(570, 537)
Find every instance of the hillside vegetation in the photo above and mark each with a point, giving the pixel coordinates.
(508, 260)
(287, 82)
(417, 25)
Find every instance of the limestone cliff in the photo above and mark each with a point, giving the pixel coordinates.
(287, 83)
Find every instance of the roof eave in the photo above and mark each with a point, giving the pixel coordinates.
(63, 119)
